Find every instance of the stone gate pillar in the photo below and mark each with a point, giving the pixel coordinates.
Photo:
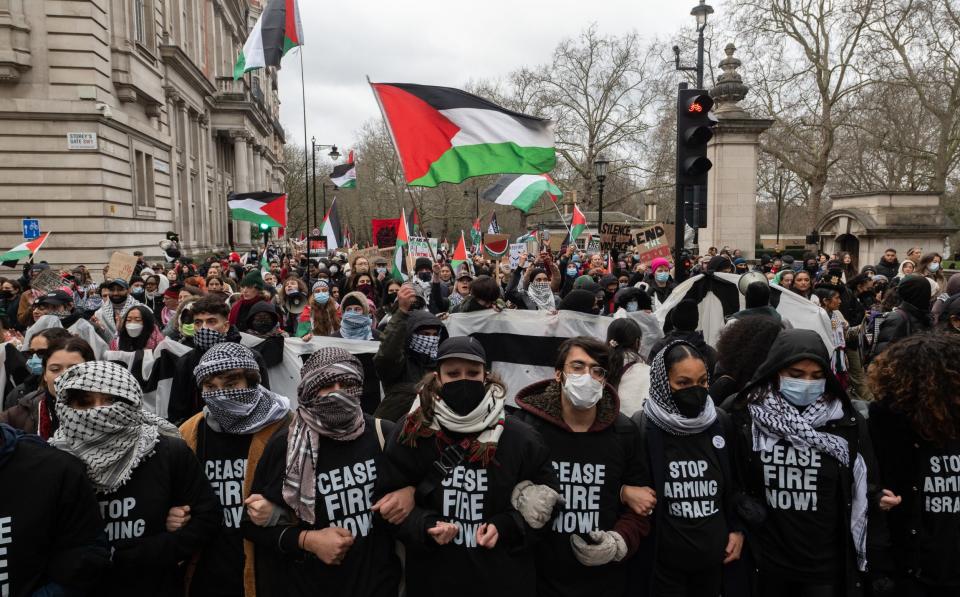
(734, 151)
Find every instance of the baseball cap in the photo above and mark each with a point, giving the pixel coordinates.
(55, 297)
(118, 282)
(462, 347)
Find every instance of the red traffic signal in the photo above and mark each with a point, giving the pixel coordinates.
(694, 130)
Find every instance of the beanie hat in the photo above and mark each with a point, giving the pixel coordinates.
(659, 261)
(422, 263)
(685, 316)
(320, 285)
(224, 356)
(582, 281)
(172, 291)
(915, 290)
(758, 295)
(252, 280)
(581, 301)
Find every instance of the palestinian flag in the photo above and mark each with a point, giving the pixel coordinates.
(259, 208)
(403, 238)
(493, 227)
(448, 135)
(459, 254)
(345, 175)
(413, 222)
(331, 227)
(23, 250)
(476, 237)
(278, 30)
(577, 224)
(521, 190)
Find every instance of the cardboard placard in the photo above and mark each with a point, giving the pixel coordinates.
(653, 242)
(556, 242)
(317, 247)
(47, 281)
(121, 266)
(370, 253)
(423, 247)
(615, 237)
(516, 249)
(593, 246)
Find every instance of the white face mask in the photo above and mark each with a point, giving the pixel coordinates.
(134, 329)
(583, 391)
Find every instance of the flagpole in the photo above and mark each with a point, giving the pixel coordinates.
(306, 167)
(559, 213)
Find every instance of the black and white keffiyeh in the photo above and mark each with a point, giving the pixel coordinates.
(425, 345)
(775, 419)
(662, 410)
(108, 311)
(541, 294)
(110, 440)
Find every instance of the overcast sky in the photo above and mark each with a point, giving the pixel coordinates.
(442, 42)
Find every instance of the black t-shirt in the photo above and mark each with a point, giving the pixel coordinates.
(692, 524)
(938, 541)
(223, 457)
(801, 539)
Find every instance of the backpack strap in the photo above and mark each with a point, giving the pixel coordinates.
(378, 423)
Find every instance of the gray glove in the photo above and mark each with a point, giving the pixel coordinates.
(534, 502)
(608, 546)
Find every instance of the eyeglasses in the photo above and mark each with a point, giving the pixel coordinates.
(581, 368)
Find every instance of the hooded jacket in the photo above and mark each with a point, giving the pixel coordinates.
(610, 445)
(911, 316)
(889, 270)
(398, 368)
(791, 346)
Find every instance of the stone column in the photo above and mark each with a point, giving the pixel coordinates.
(258, 167)
(734, 151)
(240, 184)
(187, 207)
(206, 236)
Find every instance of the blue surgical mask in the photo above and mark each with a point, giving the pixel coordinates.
(662, 276)
(381, 270)
(934, 266)
(35, 364)
(321, 297)
(571, 271)
(802, 392)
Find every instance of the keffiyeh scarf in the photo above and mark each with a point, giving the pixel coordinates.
(110, 440)
(425, 345)
(542, 295)
(108, 313)
(774, 419)
(335, 415)
(486, 421)
(244, 410)
(662, 410)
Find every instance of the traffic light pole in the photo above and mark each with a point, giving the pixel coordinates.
(679, 274)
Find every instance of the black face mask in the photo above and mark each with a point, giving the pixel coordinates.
(391, 296)
(118, 300)
(425, 276)
(262, 327)
(463, 396)
(690, 401)
(7, 294)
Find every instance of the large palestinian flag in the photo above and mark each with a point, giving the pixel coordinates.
(23, 250)
(278, 30)
(345, 175)
(331, 227)
(259, 208)
(521, 190)
(448, 135)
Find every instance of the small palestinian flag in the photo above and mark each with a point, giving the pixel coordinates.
(447, 135)
(259, 208)
(493, 227)
(459, 254)
(331, 227)
(278, 30)
(577, 224)
(403, 239)
(23, 250)
(521, 190)
(476, 237)
(413, 224)
(345, 175)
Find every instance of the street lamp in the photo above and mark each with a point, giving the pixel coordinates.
(700, 12)
(334, 155)
(600, 171)
(466, 195)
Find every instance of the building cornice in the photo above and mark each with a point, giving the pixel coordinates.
(175, 57)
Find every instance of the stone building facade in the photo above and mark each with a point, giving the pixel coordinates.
(120, 120)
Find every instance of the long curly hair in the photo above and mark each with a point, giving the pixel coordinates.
(325, 318)
(743, 345)
(929, 398)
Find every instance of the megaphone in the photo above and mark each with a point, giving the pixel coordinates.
(749, 278)
(296, 302)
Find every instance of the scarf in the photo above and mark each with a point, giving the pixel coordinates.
(166, 315)
(108, 313)
(484, 422)
(425, 345)
(356, 326)
(244, 410)
(456, 299)
(336, 416)
(542, 295)
(775, 419)
(662, 410)
(110, 440)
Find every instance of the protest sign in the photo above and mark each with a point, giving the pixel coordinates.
(423, 247)
(121, 266)
(516, 249)
(593, 246)
(653, 242)
(317, 247)
(615, 237)
(385, 231)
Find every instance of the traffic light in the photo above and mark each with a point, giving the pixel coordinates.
(694, 129)
(264, 227)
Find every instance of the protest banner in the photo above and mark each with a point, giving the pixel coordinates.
(385, 231)
(653, 242)
(615, 237)
(121, 266)
(516, 249)
(593, 246)
(317, 247)
(423, 247)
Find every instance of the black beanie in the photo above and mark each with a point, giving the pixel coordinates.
(915, 290)
(758, 295)
(422, 263)
(685, 316)
(581, 301)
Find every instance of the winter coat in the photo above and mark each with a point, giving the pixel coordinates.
(889, 270)
(399, 369)
(609, 445)
(903, 321)
(26, 414)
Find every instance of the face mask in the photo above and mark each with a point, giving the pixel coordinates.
(7, 294)
(321, 297)
(206, 338)
(262, 327)
(571, 271)
(364, 288)
(381, 270)
(137, 291)
(583, 391)
(662, 276)
(134, 329)
(187, 330)
(334, 269)
(232, 275)
(933, 267)
(463, 396)
(633, 306)
(391, 296)
(118, 300)
(690, 401)
(425, 276)
(425, 345)
(355, 326)
(801, 392)
(35, 364)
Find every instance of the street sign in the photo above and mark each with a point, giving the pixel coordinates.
(31, 229)
(315, 232)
